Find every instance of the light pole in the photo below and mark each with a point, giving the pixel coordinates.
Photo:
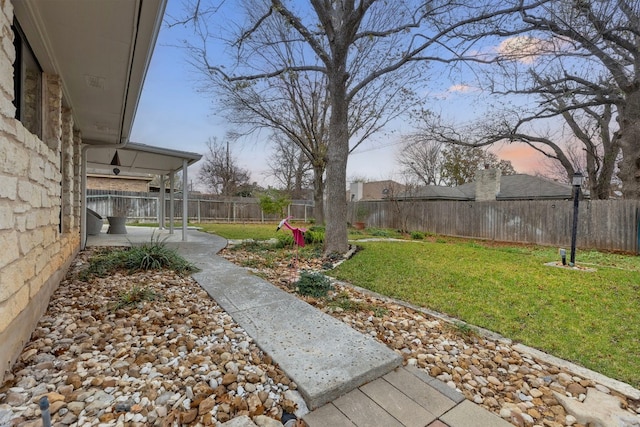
(577, 181)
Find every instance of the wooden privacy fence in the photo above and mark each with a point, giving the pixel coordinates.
(602, 224)
(144, 207)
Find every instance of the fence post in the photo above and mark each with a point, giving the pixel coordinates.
(198, 205)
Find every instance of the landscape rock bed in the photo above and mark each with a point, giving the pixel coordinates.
(488, 372)
(174, 359)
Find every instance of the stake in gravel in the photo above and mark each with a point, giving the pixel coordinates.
(298, 239)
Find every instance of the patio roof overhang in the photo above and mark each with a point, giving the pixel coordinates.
(136, 158)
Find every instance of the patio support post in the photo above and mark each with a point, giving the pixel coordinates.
(83, 198)
(172, 213)
(161, 211)
(185, 199)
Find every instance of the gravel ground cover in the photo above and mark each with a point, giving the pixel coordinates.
(489, 372)
(148, 348)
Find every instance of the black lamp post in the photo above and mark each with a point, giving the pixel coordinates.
(577, 181)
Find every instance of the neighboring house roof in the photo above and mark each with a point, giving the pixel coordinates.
(436, 192)
(512, 187)
(101, 51)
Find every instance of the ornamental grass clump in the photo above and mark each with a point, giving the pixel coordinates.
(154, 255)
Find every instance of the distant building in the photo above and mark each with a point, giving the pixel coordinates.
(375, 190)
(490, 185)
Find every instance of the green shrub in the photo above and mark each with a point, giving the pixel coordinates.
(155, 255)
(149, 256)
(313, 284)
(274, 202)
(379, 232)
(417, 235)
(314, 235)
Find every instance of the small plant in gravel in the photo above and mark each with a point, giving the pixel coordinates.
(133, 296)
(102, 264)
(345, 302)
(464, 330)
(155, 255)
(313, 284)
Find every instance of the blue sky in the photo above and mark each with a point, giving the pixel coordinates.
(172, 114)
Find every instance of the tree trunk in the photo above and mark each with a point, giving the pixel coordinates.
(337, 154)
(601, 190)
(318, 194)
(629, 120)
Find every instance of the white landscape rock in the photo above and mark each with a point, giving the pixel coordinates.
(599, 410)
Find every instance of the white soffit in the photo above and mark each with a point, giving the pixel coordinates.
(101, 50)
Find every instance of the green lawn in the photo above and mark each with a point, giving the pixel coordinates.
(592, 319)
(232, 231)
(262, 231)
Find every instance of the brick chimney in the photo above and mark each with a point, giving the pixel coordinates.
(487, 184)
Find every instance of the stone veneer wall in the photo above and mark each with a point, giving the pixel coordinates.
(40, 179)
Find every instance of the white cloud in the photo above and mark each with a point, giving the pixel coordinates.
(525, 49)
(462, 88)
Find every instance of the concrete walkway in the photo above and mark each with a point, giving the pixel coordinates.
(345, 377)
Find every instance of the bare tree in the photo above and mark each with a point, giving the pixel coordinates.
(358, 47)
(569, 134)
(582, 60)
(421, 160)
(220, 172)
(290, 168)
(431, 162)
(296, 103)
